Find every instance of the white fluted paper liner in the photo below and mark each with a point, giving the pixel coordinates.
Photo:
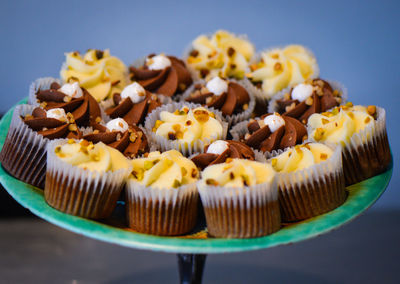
(142, 60)
(258, 93)
(241, 212)
(186, 53)
(161, 211)
(231, 119)
(367, 153)
(24, 150)
(80, 192)
(273, 105)
(239, 130)
(40, 84)
(311, 191)
(185, 148)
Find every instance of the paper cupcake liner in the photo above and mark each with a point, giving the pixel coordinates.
(273, 105)
(241, 212)
(79, 192)
(231, 119)
(239, 130)
(261, 98)
(40, 84)
(312, 191)
(367, 153)
(186, 52)
(161, 211)
(185, 148)
(24, 150)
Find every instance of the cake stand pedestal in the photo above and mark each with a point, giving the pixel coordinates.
(192, 249)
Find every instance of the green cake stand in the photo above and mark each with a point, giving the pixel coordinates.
(193, 248)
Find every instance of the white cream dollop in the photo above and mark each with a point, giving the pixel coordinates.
(57, 113)
(274, 122)
(217, 86)
(302, 92)
(72, 90)
(217, 147)
(135, 92)
(118, 124)
(158, 62)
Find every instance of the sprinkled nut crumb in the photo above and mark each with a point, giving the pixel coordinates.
(323, 156)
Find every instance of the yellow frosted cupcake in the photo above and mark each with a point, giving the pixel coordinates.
(310, 180)
(97, 71)
(361, 131)
(240, 199)
(161, 195)
(84, 179)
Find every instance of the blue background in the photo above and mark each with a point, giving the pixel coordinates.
(356, 42)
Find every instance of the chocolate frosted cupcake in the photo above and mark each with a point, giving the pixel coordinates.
(129, 140)
(310, 180)
(71, 97)
(161, 74)
(84, 179)
(133, 104)
(222, 150)
(307, 98)
(270, 132)
(240, 199)
(24, 150)
(161, 194)
(228, 96)
(361, 131)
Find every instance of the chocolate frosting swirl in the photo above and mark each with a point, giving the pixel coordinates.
(50, 128)
(133, 114)
(85, 110)
(168, 81)
(131, 143)
(260, 136)
(236, 150)
(322, 99)
(231, 102)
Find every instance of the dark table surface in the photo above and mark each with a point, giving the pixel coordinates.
(364, 251)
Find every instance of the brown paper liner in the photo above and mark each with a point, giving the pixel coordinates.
(24, 151)
(79, 192)
(163, 212)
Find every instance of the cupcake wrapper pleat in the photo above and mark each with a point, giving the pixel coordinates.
(79, 192)
(246, 212)
(161, 211)
(24, 151)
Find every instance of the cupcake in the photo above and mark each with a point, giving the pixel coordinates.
(361, 131)
(305, 99)
(133, 104)
(97, 71)
(129, 140)
(310, 180)
(161, 74)
(222, 150)
(228, 96)
(240, 199)
(71, 97)
(84, 179)
(161, 194)
(220, 54)
(185, 127)
(24, 151)
(270, 132)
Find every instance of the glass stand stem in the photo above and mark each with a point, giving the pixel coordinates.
(191, 268)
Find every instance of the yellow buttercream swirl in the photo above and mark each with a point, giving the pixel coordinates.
(94, 157)
(164, 170)
(237, 173)
(189, 125)
(341, 123)
(280, 68)
(301, 157)
(222, 54)
(96, 71)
